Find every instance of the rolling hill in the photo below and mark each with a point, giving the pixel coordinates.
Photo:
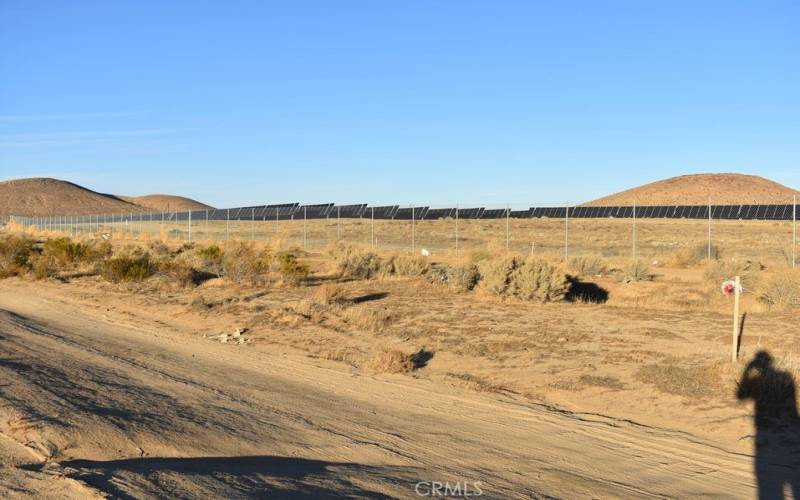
(166, 202)
(44, 196)
(698, 189)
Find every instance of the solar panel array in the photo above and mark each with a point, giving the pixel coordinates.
(287, 211)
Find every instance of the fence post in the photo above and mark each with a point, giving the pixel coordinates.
(277, 219)
(736, 324)
(566, 234)
(508, 230)
(253, 224)
(208, 234)
(794, 231)
(634, 230)
(413, 229)
(305, 226)
(709, 229)
(456, 229)
(228, 224)
(372, 235)
(190, 226)
(338, 223)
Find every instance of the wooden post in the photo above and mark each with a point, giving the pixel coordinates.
(735, 340)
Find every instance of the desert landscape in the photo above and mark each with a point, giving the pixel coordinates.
(137, 363)
(399, 250)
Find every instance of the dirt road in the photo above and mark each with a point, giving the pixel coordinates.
(92, 403)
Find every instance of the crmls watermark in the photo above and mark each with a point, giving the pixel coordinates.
(446, 489)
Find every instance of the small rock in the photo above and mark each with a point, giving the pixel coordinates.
(562, 339)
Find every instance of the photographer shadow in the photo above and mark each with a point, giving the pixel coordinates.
(777, 455)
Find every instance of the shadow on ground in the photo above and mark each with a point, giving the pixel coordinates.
(260, 476)
(777, 425)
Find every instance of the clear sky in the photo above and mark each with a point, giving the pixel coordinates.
(377, 101)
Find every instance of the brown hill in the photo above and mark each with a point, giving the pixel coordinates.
(720, 189)
(42, 196)
(166, 202)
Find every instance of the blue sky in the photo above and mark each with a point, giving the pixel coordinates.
(439, 102)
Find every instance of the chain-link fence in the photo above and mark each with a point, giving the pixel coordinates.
(763, 233)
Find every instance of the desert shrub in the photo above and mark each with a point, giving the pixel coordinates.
(158, 249)
(462, 277)
(15, 252)
(410, 265)
(588, 265)
(243, 262)
(781, 289)
(496, 274)
(727, 269)
(479, 255)
(636, 270)
(331, 294)
(209, 259)
(694, 255)
(128, 268)
(391, 361)
(354, 263)
(367, 319)
(292, 271)
(539, 280)
(176, 271)
(64, 254)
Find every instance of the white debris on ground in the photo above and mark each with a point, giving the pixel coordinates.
(236, 337)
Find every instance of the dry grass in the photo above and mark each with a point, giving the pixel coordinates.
(407, 265)
(589, 265)
(636, 270)
(366, 319)
(331, 294)
(391, 361)
(496, 274)
(780, 288)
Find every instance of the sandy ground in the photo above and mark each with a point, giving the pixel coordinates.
(100, 398)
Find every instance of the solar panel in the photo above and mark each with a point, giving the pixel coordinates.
(752, 212)
(731, 212)
(318, 211)
(494, 213)
(383, 212)
(771, 210)
(761, 212)
(645, 212)
(784, 212)
(409, 213)
(440, 213)
(470, 213)
(520, 214)
(349, 211)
